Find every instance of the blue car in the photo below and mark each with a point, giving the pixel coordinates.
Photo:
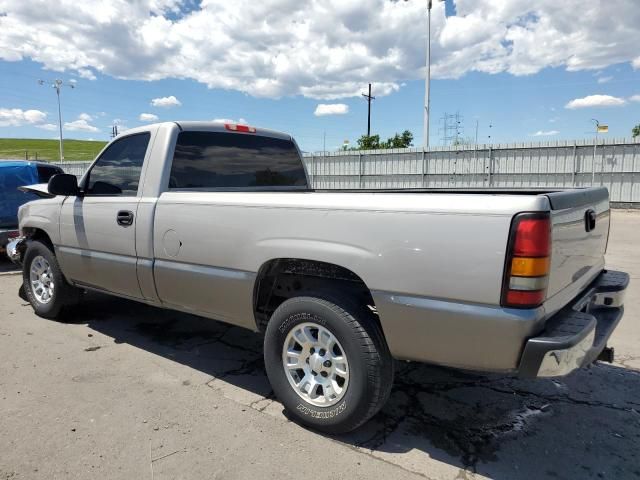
(14, 174)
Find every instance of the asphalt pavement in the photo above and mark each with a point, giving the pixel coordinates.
(128, 391)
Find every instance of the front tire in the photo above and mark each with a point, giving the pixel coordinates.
(44, 285)
(327, 362)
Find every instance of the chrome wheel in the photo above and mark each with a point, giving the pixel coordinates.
(315, 364)
(41, 279)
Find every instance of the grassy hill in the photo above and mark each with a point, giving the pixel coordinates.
(25, 148)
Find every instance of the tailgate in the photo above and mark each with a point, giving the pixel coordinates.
(580, 231)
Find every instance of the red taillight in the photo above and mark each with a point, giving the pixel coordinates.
(13, 234)
(528, 262)
(525, 297)
(532, 238)
(239, 128)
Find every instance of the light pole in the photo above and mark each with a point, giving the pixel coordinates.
(597, 127)
(595, 146)
(57, 84)
(427, 81)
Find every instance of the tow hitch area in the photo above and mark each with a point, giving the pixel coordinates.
(606, 355)
(574, 338)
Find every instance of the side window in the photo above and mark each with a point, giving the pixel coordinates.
(117, 171)
(45, 172)
(217, 160)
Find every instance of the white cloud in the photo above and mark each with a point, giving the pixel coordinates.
(166, 102)
(324, 49)
(604, 79)
(81, 124)
(331, 109)
(122, 127)
(634, 98)
(34, 116)
(48, 126)
(16, 117)
(86, 73)
(542, 133)
(595, 101)
(148, 117)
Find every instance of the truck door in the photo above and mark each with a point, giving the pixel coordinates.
(97, 229)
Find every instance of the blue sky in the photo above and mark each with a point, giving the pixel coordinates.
(518, 87)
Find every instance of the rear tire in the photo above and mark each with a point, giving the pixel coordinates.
(44, 285)
(345, 369)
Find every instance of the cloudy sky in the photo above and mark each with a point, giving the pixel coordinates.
(532, 70)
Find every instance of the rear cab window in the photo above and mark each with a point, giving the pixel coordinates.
(235, 161)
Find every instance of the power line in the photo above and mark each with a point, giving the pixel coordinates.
(369, 98)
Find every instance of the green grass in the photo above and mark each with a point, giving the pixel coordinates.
(32, 149)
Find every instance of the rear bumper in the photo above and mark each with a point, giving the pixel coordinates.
(575, 336)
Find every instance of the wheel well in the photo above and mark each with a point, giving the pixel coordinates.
(38, 234)
(284, 278)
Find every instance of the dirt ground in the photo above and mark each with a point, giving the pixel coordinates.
(130, 391)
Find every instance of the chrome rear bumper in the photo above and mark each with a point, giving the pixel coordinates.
(575, 336)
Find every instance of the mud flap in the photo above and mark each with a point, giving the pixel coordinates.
(22, 294)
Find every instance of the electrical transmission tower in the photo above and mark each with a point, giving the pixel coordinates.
(114, 130)
(451, 128)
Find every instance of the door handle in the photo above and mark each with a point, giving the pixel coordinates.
(125, 218)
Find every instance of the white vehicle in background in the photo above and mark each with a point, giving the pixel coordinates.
(220, 221)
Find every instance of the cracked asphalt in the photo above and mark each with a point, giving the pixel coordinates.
(129, 391)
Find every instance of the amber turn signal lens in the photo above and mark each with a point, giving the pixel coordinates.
(530, 267)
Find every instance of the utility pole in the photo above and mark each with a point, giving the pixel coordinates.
(369, 98)
(57, 84)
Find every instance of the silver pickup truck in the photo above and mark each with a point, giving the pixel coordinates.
(219, 220)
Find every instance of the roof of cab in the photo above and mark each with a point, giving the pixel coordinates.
(220, 127)
(206, 127)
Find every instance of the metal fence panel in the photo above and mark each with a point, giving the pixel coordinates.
(613, 163)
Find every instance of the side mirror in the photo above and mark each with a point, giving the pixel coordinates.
(63, 184)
